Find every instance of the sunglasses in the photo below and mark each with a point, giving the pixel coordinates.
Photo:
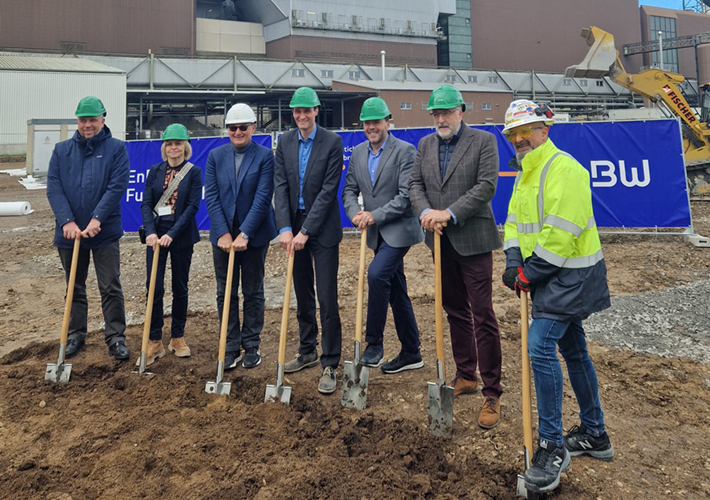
(522, 132)
(243, 128)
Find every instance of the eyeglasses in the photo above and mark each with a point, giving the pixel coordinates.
(243, 128)
(445, 113)
(522, 132)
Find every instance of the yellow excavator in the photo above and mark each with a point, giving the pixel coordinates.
(661, 87)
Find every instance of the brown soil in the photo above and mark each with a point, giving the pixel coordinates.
(112, 434)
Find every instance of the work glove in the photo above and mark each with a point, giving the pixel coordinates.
(521, 283)
(509, 277)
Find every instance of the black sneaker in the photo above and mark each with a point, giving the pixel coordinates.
(578, 442)
(301, 361)
(405, 361)
(231, 358)
(252, 357)
(548, 463)
(372, 356)
(119, 351)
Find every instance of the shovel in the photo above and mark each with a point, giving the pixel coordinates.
(279, 392)
(220, 387)
(60, 372)
(441, 396)
(527, 399)
(355, 375)
(149, 311)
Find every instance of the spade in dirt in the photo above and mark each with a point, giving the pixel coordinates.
(61, 372)
(219, 386)
(527, 400)
(355, 375)
(279, 392)
(149, 311)
(440, 406)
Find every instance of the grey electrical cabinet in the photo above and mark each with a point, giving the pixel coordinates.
(42, 135)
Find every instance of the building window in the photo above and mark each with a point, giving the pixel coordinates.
(600, 83)
(667, 26)
(472, 79)
(326, 73)
(450, 78)
(583, 83)
(469, 105)
(354, 75)
(485, 106)
(425, 105)
(567, 82)
(492, 79)
(405, 105)
(298, 73)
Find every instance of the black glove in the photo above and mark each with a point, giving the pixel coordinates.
(509, 277)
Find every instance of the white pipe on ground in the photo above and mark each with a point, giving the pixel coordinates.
(15, 208)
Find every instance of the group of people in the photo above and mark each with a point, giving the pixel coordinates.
(402, 196)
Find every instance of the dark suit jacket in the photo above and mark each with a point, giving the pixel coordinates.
(184, 232)
(320, 185)
(388, 198)
(250, 194)
(467, 189)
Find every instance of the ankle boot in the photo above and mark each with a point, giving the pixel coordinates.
(155, 350)
(179, 347)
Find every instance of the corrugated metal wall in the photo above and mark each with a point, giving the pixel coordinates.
(29, 94)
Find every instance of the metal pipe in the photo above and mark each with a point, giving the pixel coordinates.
(279, 114)
(382, 54)
(660, 50)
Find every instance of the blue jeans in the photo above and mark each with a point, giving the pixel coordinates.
(544, 336)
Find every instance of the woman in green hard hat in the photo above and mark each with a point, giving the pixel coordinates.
(171, 198)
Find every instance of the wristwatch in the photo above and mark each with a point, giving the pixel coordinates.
(305, 231)
(244, 235)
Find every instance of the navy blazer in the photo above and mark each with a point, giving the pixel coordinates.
(250, 194)
(184, 232)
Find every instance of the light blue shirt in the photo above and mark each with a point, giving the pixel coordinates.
(373, 160)
(304, 153)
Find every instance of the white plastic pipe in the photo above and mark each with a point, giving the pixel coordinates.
(15, 208)
(382, 54)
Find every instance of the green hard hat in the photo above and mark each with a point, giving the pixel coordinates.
(445, 97)
(90, 106)
(176, 132)
(304, 97)
(374, 108)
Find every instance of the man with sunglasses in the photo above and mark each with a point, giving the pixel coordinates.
(451, 186)
(239, 185)
(309, 163)
(553, 250)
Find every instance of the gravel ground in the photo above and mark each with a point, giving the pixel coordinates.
(669, 323)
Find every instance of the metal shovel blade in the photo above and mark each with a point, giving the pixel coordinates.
(58, 372)
(280, 393)
(219, 388)
(440, 409)
(141, 367)
(522, 491)
(355, 379)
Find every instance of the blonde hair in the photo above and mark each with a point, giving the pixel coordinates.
(188, 150)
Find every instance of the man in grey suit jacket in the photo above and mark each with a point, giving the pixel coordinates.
(308, 166)
(379, 170)
(452, 183)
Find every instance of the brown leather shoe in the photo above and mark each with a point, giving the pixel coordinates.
(155, 351)
(490, 414)
(179, 347)
(463, 386)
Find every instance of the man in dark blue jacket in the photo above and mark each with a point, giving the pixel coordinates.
(87, 177)
(239, 185)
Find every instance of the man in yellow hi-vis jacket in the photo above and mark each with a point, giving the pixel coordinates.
(553, 251)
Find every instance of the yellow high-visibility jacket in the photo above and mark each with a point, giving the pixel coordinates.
(550, 232)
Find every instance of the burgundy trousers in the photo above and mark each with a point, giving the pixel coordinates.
(467, 288)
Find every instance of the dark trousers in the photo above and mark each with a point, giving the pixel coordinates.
(107, 262)
(387, 285)
(467, 288)
(249, 265)
(326, 261)
(180, 260)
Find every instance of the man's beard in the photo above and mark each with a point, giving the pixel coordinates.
(445, 133)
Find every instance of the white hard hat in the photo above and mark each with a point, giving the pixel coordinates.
(523, 111)
(240, 113)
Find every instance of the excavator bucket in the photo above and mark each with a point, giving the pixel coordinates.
(600, 58)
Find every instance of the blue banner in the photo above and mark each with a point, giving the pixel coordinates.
(636, 170)
(145, 154)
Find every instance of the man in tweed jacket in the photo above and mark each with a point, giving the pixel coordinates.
(451, 186)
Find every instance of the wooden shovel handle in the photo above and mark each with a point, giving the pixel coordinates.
(527, 395)
(438, 313)
(151, 297)
(360, 286)
(284, 313)
(70, 292)
(225, 307)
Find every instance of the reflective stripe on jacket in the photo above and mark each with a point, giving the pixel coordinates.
(550, 227)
